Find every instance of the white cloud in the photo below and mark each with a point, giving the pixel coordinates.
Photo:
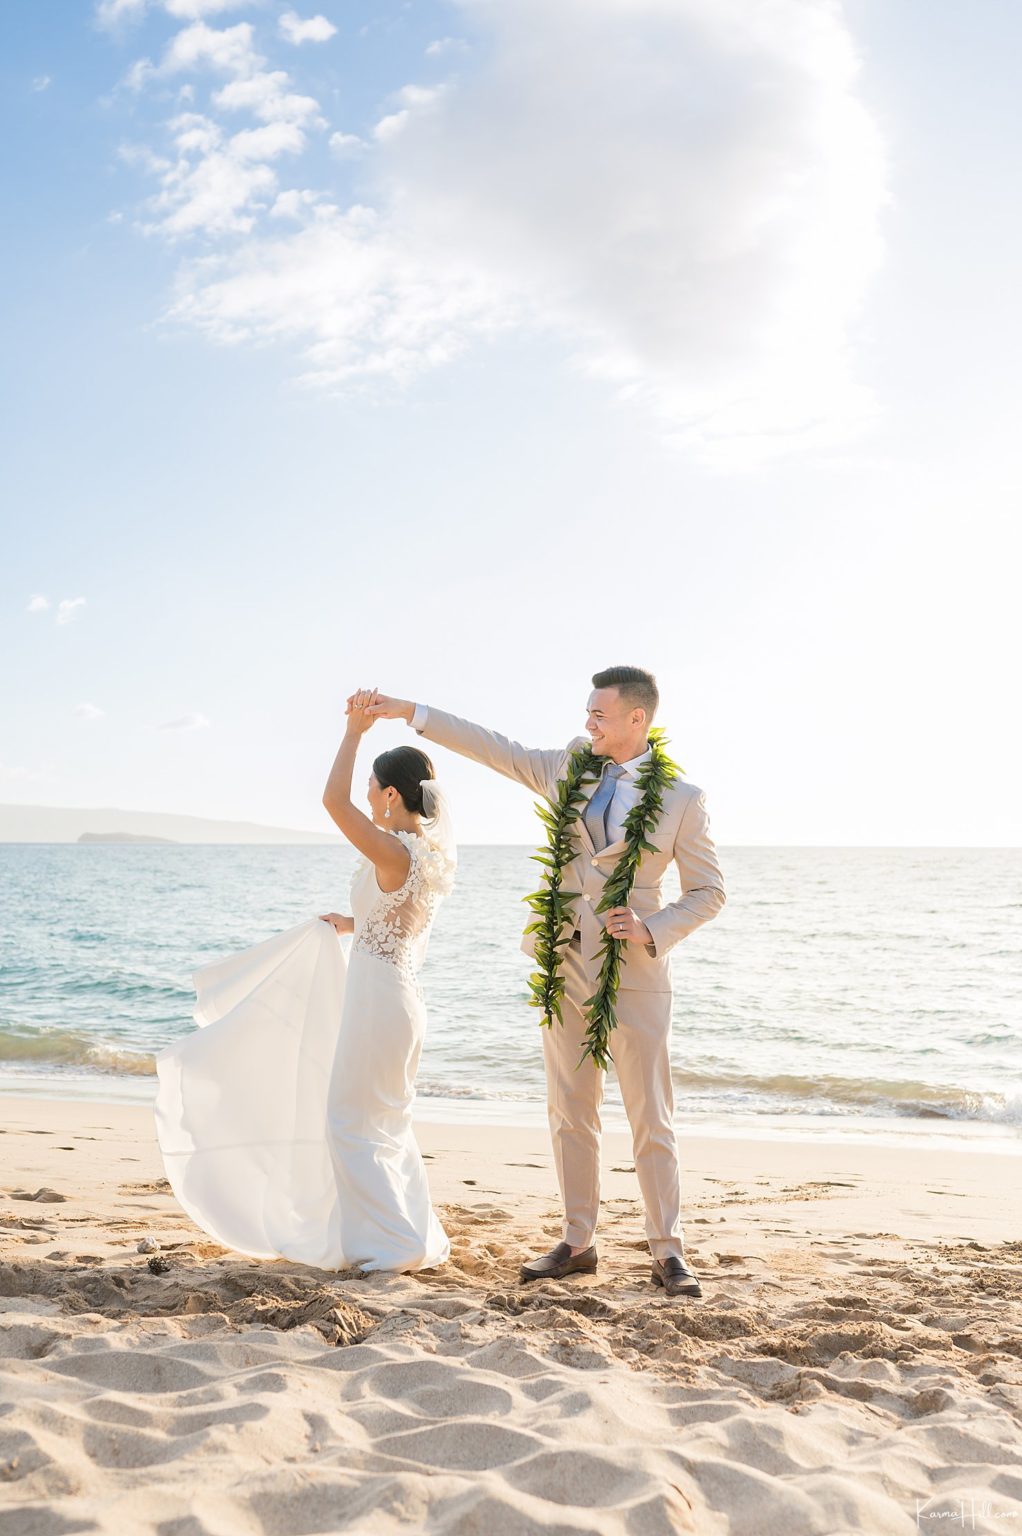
(195, 133)
(224, 48)
(218, 184)
(266, 93)
(194, 10)
(217, 195)
(68, 608)
(442, 45)
(137, 75)
(414, 99)
(345, 146)
(685, 191)
(89, 712)
(345, 287)
(37, 603)
(183, 723)
(295, 203)
(41, 82)
(24, 773)
(390, 126)
(683, 194)
(112, 13)
(142, 155)
(267, 142)
(315, 30)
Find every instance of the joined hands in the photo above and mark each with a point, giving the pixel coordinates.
(379, 706)
(358, 710)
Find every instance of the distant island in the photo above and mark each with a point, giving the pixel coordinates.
(123, 837)
(108, 824)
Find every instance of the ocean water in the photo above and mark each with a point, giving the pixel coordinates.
(840, 992)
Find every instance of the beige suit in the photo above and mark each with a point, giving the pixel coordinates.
(640, 1044)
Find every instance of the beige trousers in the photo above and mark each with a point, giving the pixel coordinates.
(639, 1046)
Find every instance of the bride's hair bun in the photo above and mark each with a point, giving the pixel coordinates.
(403, 769)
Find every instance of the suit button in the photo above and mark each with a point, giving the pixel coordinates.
(594, 862)
(587, 897)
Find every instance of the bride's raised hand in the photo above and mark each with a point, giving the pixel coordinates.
(358, 710)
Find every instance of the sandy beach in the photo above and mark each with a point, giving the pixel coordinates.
(854, 1364)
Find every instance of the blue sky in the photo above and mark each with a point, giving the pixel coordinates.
(496, 344)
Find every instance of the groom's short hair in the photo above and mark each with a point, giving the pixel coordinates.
(637, 687)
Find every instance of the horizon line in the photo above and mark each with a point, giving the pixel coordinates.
(53, 842)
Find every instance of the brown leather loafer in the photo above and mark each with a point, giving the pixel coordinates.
(675, 1277)
(560, 1261)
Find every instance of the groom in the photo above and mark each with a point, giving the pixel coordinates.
(620, 711)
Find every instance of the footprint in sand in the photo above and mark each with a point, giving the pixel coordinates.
(44, 1196)
(137, 1371)
(593, 1480)
(552, 1299)
(472, 1445)
(438, 1391)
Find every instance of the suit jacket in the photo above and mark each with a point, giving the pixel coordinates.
(681, 836)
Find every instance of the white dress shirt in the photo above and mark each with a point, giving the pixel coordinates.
(626, 796)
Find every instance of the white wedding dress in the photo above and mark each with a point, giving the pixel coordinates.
(285, 1120)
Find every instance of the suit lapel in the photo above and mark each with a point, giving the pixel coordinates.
(613, 851)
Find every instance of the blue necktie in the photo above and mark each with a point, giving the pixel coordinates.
(598, 807)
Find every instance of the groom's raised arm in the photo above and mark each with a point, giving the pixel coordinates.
(702, 884)
(537, 769)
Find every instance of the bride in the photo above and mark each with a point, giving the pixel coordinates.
(285, 1120)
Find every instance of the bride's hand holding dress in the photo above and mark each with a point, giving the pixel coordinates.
(339, 922)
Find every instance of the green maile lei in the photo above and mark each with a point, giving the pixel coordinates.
(554, 921)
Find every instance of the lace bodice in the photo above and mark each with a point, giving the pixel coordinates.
(394, 925)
